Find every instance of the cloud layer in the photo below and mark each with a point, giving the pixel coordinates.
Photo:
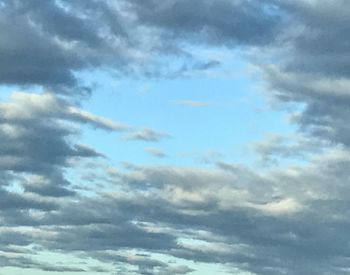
(162, 219)
(49, 43)
(290, 221)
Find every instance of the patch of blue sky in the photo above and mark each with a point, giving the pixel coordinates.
(6, 91)
(202, 112)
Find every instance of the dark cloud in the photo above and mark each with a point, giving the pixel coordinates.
(35, 130)
(10, 200)
(311, 67)
(318, 45)
(37, 133)
(299, 221)
(46, 43)
(290, 221)
(284, 225)
(49, 43)
(215, 22)
(51, 187)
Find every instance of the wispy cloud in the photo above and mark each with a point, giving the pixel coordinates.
(155, 152)
(147, 135)
(191, 103)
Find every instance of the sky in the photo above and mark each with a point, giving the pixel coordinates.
(175, 137)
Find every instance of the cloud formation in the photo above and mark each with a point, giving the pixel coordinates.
(49, 43)
(161, 219)
(36, 132)
(312, 68)
(229, 215)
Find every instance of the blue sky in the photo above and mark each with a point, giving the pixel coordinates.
(202, 115)
(174, 137)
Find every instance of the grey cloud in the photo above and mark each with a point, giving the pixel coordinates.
(25, 107)
(144, 263)
(209, 65)
(48, 187)
(45, 43)
(312, 67)
(292, 221)
(10, 200)
(319, 46)
(276, 147)
(190, 68)
(147, 134)
(125, 235)
(26, 263)
(36, 132)
(289, 221)
(49, 43)
(44, 112)
(285, 233)
(99, 269)
(216, 22)
(155, 152)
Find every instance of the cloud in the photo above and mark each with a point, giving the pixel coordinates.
(231, 215)
(214, 22)
(155, 152)
(147, 134)
(50, 43)
(10, 200)
(35, 130)
(46, 43)
(285, 206)
(192, 103)
(312, 67)
(293, 220)
(26, 263)
(209, 65)
(274, 148)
